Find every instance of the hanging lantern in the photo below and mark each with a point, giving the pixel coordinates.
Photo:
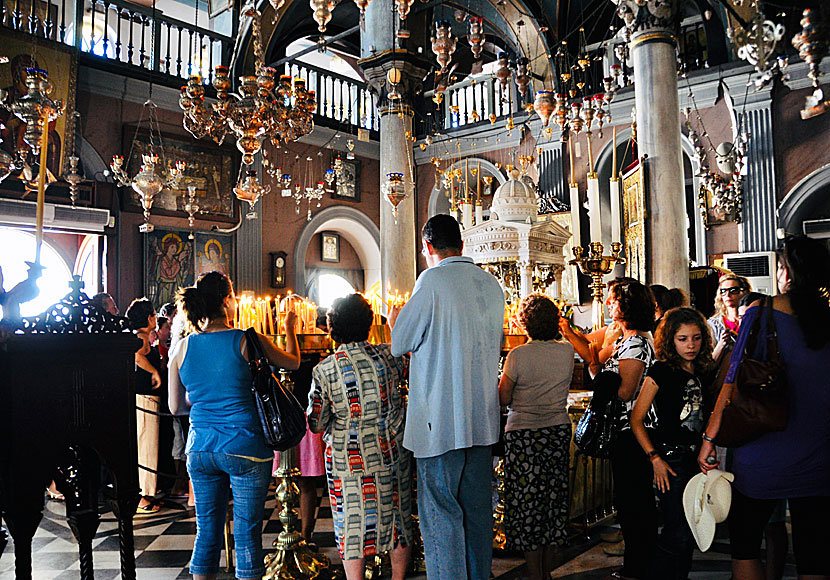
(575, 120)
(443, 44)
(362, 5)
(544, 105)
(146, 183)
(503, 70)
(523, 74)
(394, 190)
(587, 113)
(321, 12)
(73, 177)
(249, 189)
(35, 108)
(476, 36)
(393, 76)
(403, 8)
(191, 207)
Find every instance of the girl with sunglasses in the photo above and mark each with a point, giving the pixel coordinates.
(726, 321)
(674, 385)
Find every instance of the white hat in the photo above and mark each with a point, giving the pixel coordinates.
(706, 501)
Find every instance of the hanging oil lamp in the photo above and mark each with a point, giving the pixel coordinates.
(191, 207)
(544, 105)
(35, 108)
(503, 71)
(321, 12)
(443, 44)
(249, 189)
(476, 36)
(394, 190)
(523, 74)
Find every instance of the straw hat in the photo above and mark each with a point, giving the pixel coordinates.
(706, 501)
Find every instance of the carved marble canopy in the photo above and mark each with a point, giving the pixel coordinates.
(498, 241)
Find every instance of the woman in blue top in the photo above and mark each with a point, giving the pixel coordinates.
(794, 463)
(225, 445)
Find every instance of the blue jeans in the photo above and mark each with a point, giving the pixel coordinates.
(212, 474)
(456, 514)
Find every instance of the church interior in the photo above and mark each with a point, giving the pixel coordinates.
(301, 149)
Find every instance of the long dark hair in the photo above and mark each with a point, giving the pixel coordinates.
(808, 264)
(204, 300)
(664, 338)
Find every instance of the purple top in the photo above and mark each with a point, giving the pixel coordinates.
(794, 462)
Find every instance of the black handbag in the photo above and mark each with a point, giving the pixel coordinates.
(280, 413)
(760, 399)
(598, 427)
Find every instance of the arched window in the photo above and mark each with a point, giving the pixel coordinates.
(17, 246)
(330, 287)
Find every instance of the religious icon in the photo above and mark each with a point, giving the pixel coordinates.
(214, 253)
(347, 185)
(330, 247)
(169, 265)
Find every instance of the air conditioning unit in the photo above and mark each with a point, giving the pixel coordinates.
(22, 213)
(816, 228)
(757, 267)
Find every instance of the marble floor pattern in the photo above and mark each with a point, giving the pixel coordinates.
(164, 542)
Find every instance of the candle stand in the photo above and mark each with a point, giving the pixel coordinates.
(595, 265)
(293, 559)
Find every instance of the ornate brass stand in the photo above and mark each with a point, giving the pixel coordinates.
(595, 265)
(499, 536)
(293, 559)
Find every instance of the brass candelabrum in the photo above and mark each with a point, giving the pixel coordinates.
(293, 559)
(596, 265)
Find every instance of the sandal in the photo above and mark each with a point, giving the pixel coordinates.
(150, 509)
(55, 495)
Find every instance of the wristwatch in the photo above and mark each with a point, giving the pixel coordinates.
(707, 438)
(652, 454)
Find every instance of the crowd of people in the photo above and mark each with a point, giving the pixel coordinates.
(676, 373)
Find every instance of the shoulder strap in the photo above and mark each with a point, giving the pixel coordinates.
(254, 344)
(752, 339)
(772, 334)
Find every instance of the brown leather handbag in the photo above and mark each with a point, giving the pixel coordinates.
(760, 399)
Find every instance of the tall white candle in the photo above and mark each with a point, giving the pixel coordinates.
(479, 213)
(593, 201)
(577, 236)
(614, 188)
(467, 214)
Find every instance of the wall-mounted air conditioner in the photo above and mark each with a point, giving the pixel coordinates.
(757, 267)
(816, 228)
(22, 213)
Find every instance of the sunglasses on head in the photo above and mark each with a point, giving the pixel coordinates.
(733, 290)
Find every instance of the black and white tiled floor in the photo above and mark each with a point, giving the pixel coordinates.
(164, 542)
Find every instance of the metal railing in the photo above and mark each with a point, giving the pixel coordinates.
(474, 99)
(339, 98)
(120, 32)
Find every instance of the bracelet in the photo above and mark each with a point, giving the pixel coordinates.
(707, 438)
(652, 454)
(655, 456)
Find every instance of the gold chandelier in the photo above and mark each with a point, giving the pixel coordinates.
(265, 108)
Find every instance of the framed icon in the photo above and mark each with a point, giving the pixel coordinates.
(278, 268)
(347, 184)
(329, 247)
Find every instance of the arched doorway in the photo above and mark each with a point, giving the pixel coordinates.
(809, 199)
(353, 226)
(438, 201)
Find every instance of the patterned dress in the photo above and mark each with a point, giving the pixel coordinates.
(354, 395)
(639, 348)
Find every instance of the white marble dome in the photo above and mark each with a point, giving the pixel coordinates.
(514, 201)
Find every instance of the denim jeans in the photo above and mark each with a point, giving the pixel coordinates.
(675, 545)
(212, 474)
(456, 515)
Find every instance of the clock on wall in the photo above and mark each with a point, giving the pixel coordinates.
(278, 263)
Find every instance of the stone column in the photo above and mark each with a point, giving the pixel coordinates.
(525, 277)
(250, 268)
(385, 57)
(651, 25)
(398, 238)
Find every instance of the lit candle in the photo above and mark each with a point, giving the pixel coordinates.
(573, 190)
(614, 191)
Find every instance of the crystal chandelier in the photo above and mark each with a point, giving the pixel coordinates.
(280, 111)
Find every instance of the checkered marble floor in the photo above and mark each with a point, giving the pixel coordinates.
(164, 542)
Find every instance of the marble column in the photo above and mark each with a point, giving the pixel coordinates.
(384, 58)
(250, 265)
(398, 238)
(652, 25)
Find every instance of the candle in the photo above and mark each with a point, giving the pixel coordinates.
(479, 213)
(614, 155)
(467, 179)
(467, 214)
(575, 214)
(615, 210)
(593, 200)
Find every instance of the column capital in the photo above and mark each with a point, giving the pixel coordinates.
(650, 20)
(411, 70)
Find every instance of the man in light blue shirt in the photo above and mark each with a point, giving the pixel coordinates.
(452, 325)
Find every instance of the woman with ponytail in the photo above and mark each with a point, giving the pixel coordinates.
(793, 464)
(208, 373)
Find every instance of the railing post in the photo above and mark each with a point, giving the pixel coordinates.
(156, 45)
(491, 97)
(79, 22)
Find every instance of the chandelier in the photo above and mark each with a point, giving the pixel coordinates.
(281, 110)
(443, 44)
(155, 172)
(36, 110)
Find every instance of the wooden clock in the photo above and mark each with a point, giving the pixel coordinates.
(278, 269)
